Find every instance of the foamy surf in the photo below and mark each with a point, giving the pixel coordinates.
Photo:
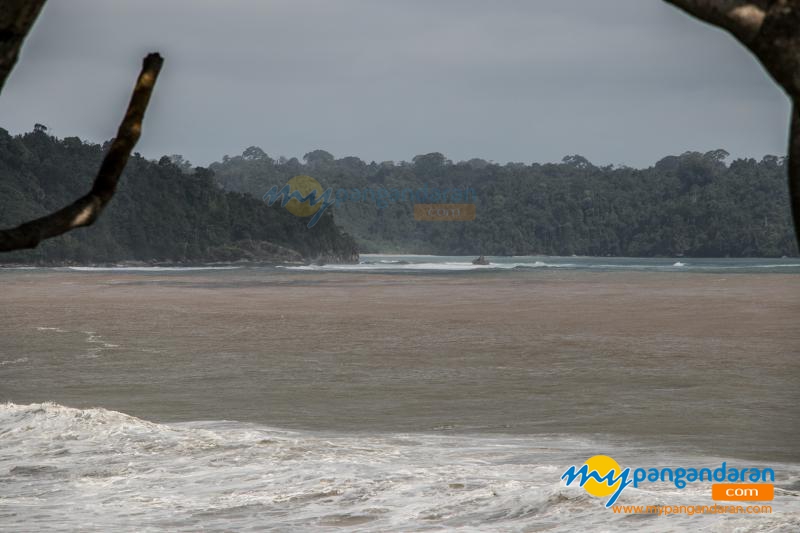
(14, 361)
(415, 264)
(71, 469)
(97, 344)
(443, 264)
(149, 269)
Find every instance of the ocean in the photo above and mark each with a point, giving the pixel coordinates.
(405, 393)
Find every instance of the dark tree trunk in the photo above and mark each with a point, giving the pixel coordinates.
(794, 165)
(16, 19)
(771, 30)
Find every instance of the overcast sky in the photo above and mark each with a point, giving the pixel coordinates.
(617, 81)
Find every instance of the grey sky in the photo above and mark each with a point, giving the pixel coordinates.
(617, 81)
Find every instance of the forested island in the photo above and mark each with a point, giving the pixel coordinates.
(169, 211)
(693, 204)
(160, 214)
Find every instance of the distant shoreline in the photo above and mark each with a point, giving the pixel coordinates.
(250, 263)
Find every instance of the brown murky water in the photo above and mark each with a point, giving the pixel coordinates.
(690, 361)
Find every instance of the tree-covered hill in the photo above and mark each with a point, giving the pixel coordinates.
(161, 213)
(693, 204)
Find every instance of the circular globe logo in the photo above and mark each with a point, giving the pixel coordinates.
(305, 185)
(602, 464)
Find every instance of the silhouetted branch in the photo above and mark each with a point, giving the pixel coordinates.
(794, 167)
(771, 30)
(16, 19)
(85, 210)
(740, 17)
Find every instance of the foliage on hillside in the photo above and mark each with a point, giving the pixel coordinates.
(161, 213)
(693, 204)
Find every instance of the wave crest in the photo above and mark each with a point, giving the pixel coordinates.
(66, 466)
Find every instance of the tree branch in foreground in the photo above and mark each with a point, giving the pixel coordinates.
(16, 19)
(771, 30)
(742, 18)
(794, 167)
(84, 211)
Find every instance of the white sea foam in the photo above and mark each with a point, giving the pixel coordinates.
(785, 265)
(409, 263)
(99, 470)
(14, 361)
(389, 263)
(445, 266)
(149, 269)
(98, 345)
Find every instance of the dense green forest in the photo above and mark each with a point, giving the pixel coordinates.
(169, 211)
(160, 212)
(689, 205)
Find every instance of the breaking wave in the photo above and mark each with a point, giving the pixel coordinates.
(432, 264)
(95, 469)
(149, 269)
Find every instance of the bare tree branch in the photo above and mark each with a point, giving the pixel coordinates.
(16, 19)
(771, 30)
(794, 168)
(85, 210)
(740, 17)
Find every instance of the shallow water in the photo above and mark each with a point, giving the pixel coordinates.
(389, 400)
